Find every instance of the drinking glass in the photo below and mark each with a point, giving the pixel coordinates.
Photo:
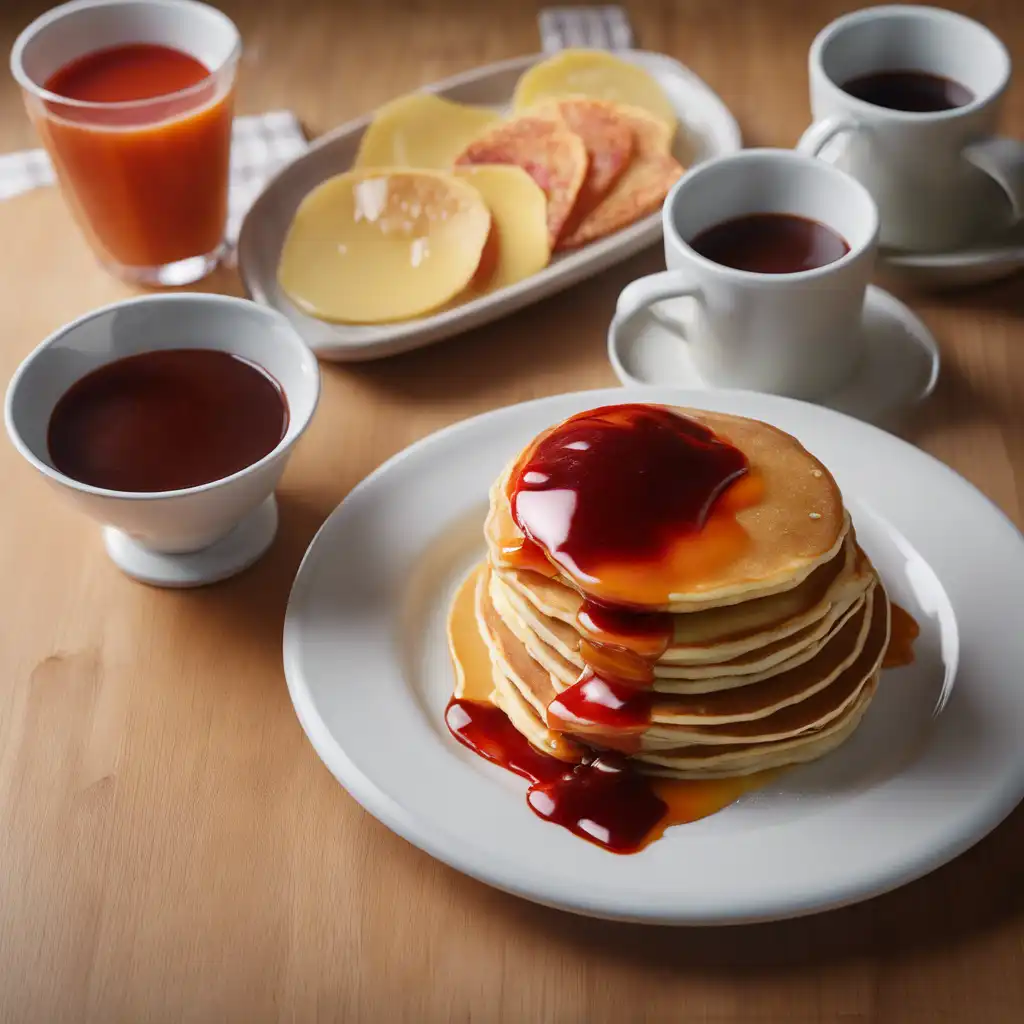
(146, 179)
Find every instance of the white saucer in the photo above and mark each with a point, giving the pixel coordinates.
(979, 264)
(899, 369)
(936, 764)
(228, 557)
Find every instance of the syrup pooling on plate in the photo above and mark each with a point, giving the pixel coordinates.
(632, 498)
(487, 731)
(903, 631)
(605, 802)
(601, 798)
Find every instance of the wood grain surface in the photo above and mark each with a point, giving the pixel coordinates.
(171, 849)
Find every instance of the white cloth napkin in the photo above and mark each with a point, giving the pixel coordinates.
(260, 147)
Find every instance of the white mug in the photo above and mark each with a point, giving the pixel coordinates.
(941, 179)
(178, 526)
(796, 334)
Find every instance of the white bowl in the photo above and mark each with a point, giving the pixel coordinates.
(196, 534)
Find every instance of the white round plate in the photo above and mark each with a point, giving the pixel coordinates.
(707, 129)
(900, 366)
(936, 764)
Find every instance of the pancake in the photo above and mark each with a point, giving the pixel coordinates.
(567, 661)
(383, 245)
(609, 141)
(547, 150)
(596, 73)
(518, 246)
(797, 524)
(745, 759)
(814, 708)
(757, 666)
(421, 131)
(639, 190)
(738, 623)
(718, 635)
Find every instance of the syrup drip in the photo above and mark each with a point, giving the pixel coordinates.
(619, 663)
(611, 702)
(903, 631)
(523, 553)
(605, 710)
(486, 730)
(645, 633)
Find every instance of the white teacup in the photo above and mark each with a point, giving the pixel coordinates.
(197, 534)
(795, 334)
(937, 177)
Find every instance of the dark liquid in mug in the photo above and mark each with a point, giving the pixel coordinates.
(771, 243)
(167, 419)
(918, 92)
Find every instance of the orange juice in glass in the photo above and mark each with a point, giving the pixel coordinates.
(133, 101)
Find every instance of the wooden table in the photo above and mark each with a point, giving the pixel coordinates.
(171, 849)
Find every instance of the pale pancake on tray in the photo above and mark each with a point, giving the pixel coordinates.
(609, 141)
(640, 189)
(547, 150)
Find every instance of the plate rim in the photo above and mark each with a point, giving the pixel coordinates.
(403, 822)
(409, 335)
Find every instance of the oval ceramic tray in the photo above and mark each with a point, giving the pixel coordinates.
(707, 129)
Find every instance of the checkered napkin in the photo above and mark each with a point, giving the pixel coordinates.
(260, 146)
(598, 28)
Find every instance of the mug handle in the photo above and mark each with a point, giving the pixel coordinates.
(645, 291)
(1003, 160)
(822, 132)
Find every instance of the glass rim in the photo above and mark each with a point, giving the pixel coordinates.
(29, 85)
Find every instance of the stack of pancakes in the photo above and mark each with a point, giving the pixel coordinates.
(770, 658)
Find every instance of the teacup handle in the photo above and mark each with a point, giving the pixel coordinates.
(644, 292)
(1003, 160)
(822, 132)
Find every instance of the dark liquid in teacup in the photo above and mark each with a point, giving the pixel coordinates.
(771, 243)
(163, 420)
(918, 92)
